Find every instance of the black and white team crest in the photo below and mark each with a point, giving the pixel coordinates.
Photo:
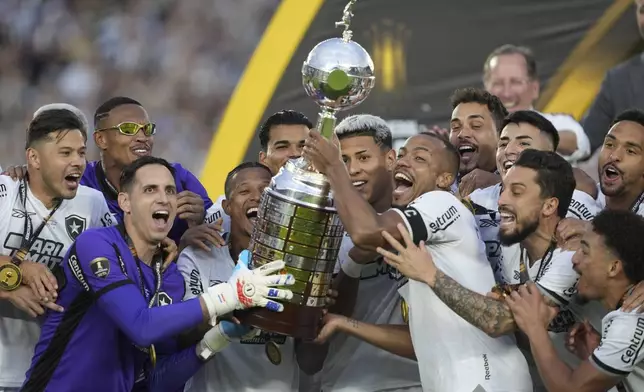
(74, 225)
(164, 299)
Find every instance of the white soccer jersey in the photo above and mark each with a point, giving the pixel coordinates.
(565, 122)
(637, 208)
(620, 351)
(355, 366)
(486, 205)
(19, 332)
(240, 366)
(215, 212)
(452, 354)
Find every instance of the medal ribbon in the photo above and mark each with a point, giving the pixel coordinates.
(638, 203)
(29, 236)
(157, 262)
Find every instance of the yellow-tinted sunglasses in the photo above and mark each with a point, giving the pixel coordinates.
(132, 128)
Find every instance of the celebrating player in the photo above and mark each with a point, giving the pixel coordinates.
(621, 168)
(123, 132)
(609, 264)
(426, 169)
(367, 292)
(522, 130)
(281, 138)
(232, 369)
(40, 216)
(119, 305)
(477, 117)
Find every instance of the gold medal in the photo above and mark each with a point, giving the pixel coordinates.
(153, 356)
(10, 277)
(404, 310)
(273, 352)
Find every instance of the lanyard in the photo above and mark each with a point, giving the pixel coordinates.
(524, 276)
(638, 203)
(156, 265)
(157, 261)
(29, 236)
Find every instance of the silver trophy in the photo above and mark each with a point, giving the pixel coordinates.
(297, 221)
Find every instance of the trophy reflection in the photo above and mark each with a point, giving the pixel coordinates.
(296, 220)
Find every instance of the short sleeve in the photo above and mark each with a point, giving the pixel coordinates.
(433, 217)
(564, 122)
(190, 273)
(8, 188)
(620, 349)
(217, 211)
(101, 215)
(94, 263)
(190, 183)
(583, 206)
(343, 253)
(559, 281)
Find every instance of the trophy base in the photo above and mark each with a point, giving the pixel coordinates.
(297, 321)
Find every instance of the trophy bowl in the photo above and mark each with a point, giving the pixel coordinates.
(338, 74)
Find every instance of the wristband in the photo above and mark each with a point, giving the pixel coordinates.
(351, 268)
(213, 342)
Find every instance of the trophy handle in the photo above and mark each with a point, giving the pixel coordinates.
(326, 123)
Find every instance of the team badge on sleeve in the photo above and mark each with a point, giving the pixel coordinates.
(100, 267)
(74, 225)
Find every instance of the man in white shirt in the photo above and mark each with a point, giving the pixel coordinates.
(609, 263)
(244, 366)
(367, 292)
(281, 138)
(621, 164)
(445, 345)
(510, 73)
(522, 130)
(620, 168)
(40, 217)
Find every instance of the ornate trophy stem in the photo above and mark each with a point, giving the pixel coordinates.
(297, 221)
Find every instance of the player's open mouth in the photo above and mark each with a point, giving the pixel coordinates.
(507, 165)
(467, 151)
(359, 184)
(251, 214)
(141, 151)
(72, 180)
(610, 174)
(403, 182)
(508, 219)
(161, 218)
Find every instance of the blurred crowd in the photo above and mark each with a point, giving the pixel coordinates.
(182, 59)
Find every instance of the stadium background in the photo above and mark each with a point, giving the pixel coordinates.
(209, 71)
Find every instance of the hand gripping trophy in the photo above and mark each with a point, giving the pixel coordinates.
(297, 221)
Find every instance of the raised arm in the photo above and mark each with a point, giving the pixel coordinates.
(360, 220)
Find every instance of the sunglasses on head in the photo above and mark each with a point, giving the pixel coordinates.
(132, 128)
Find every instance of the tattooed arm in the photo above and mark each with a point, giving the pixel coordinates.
(487, 314)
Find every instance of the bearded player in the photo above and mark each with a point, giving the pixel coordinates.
(40, 216)
(621, 171)
(445, 345)
(120, 306)
(522, 130)
(609, 263)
